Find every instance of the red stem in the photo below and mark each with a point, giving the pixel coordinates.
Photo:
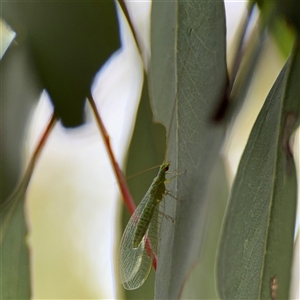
(24, 182)
(128, 200)
(21, 188)
(42, 142)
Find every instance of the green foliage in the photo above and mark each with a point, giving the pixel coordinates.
(187, 79)
(64, 46)
(187, 82)
(263, 196)
(147, 149)
(15, 268)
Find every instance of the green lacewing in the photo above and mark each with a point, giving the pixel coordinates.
(135, 254)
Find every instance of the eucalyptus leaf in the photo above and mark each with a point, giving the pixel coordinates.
(69, 42)
(256, 247)
(14, 253)
(187, 78)
(272, 14)
(290, 11)
(146, 150)
(20, 91)
(201, 283)
(15, 267)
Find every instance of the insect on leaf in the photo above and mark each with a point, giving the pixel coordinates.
(136, 252)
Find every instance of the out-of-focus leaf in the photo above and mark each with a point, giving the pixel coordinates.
(146, 150)
(201, 282)
(187, 78)
(284, 36)
(281, 31)
(290, 10)
(295, 290)
(15, 271)
(20, 90)
(69, 41)
(257, 240)
(246, 73)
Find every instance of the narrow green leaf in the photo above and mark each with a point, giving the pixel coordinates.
(14, 254)
(283, 36)
(272, 16)
(187, 79)
(201, 283)
(290, 11)
(257, 240)
(146, 150)
(15, 271)
(69, 41)
(20, 91)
